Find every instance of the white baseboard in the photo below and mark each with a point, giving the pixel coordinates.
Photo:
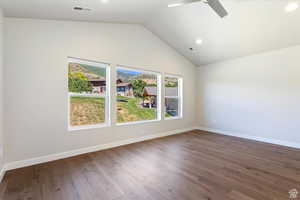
(251, 137)
(52, 157)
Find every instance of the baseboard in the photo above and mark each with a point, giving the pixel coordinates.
(251, 137)
(52, 157)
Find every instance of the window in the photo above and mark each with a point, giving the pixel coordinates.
(173, 97)
(138, 95)
(88, 84)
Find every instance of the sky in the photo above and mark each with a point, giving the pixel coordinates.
(129, 71)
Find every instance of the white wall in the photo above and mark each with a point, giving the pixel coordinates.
(257, 95)
(1, 92)
(36, 54)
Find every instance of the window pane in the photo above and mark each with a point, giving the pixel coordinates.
(87, 91)
(87, 110)
(171, 96)
(171, 86)
(136, 96)
(171, 107)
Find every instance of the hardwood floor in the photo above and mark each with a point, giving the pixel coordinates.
(190, 166)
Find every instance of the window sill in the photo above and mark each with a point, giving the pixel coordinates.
(137, 122)
(87, 127)
(173, 118)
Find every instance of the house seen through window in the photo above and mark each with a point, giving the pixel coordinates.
(138, 95)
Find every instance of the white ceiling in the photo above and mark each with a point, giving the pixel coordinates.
(252, 26)
(119, 11)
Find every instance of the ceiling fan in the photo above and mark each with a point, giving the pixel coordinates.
(214, 4)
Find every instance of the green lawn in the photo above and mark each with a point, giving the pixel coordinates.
(87, 110)
(91, 110)
(131, 110)
(168, 115)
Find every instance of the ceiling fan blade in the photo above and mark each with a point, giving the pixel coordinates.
(217, 7)
(182, 2)
(190, 1)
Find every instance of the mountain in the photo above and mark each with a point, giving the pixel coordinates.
(126, 77)
(91, 72)
(95, 70)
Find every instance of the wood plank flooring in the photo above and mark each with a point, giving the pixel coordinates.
(191, 166)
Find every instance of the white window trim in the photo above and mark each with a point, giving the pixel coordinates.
(107, 96)
(172, 97)
(159, 96)
(179, 97)
(137, 122)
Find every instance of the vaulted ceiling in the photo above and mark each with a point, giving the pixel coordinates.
(252, 26)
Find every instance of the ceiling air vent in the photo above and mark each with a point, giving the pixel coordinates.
(81, 8)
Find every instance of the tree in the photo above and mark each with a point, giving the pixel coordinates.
(171, 84)
(79, 83)
(138, 88)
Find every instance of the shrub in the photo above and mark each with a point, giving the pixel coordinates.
(79, 83)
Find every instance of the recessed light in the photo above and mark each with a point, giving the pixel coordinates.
(104, 1)
(175, 5)
(292, 6)
(199, 41)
